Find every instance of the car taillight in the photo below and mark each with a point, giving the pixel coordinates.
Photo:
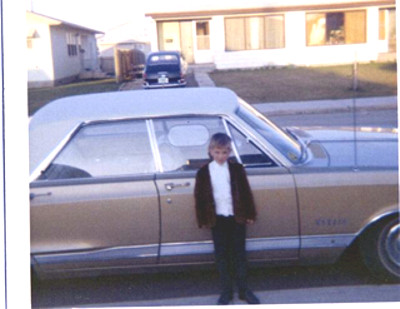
(144, 75)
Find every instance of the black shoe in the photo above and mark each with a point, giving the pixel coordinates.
(249, 297)
(225, 298)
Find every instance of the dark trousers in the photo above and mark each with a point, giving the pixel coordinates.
(230, 253)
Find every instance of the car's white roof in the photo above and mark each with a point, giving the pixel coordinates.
(53, 122)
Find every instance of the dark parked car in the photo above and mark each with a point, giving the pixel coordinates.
(164, 69)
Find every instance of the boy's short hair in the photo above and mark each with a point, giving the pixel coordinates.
(220, 140)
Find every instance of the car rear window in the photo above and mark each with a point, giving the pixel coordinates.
(163, 59)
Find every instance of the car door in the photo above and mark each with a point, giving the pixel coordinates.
(96, 205)
(183, 146)
(275, 235)
(182, 143)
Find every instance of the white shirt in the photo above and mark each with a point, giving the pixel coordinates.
(221, 187)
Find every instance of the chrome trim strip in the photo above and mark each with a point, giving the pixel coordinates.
(154, 145)
(263, 244)
(195, 247)
(274, 243)
(91, 181)
(207, 247)
(234, 148)
(326, 241)
(134, 252)
(192, 248)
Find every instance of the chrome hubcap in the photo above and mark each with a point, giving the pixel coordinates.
(392, 244)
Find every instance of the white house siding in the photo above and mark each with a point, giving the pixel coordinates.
(39, 57)
(48, 58)
(89, 53)
(295, 50)
(65, 66)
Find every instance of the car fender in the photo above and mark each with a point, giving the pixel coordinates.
(378, 216)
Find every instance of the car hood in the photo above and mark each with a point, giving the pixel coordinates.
(344, 146)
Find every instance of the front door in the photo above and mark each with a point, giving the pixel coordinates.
(187, 41)
(169, 35)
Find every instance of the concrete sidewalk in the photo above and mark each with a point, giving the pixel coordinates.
(327, 106)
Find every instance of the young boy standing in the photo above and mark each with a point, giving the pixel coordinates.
(224, 203)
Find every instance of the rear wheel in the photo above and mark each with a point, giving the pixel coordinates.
(380, 248)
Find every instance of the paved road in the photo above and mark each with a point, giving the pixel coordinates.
(347, 281)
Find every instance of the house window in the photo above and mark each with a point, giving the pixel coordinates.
(203, 34)
(259, 32)
(334, 28)
(72, 41)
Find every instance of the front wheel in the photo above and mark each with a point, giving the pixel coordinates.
(380, 248)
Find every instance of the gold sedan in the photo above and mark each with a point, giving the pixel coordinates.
(112, 178)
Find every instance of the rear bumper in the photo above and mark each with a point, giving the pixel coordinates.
(146, 85)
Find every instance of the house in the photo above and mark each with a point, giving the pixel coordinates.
(257, 33)
(58, 51)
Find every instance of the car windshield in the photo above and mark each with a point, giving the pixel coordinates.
(283, 142)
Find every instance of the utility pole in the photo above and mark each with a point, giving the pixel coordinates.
(355, 76)
(355, 73)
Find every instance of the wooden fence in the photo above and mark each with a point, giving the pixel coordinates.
(129, 64)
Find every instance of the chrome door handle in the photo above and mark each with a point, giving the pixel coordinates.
(170, 186)
(33, 195)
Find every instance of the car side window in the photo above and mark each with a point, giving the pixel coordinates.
(104, 149)
(250, 154)
(183, 141)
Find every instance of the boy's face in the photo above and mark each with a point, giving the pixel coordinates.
(220, 154)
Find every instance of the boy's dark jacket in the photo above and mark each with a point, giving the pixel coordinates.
(242, 198)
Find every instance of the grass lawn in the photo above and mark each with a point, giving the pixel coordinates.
(309, 83)
(264, 85)
(37, 97)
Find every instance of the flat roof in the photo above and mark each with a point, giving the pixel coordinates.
(212, 8)
(57, 119)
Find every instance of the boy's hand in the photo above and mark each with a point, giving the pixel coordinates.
(249, 221)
